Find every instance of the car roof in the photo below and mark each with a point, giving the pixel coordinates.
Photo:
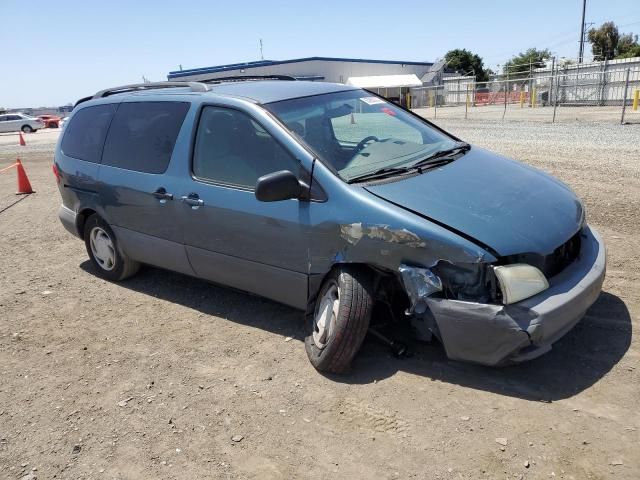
(258, 91)
(267, 91)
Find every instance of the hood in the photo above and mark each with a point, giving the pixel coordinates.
(500, 203)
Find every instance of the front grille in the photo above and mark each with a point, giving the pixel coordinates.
(561, 257)
(552, 264)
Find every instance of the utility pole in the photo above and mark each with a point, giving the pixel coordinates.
(261, 54)
(581, 52)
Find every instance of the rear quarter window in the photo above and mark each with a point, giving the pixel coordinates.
(143, 134)
(84, 136)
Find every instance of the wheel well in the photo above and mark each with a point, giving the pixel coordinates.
(387, 284)
(82, 219)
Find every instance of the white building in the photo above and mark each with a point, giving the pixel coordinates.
(391, 78)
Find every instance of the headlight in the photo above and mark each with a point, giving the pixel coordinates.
(519, 281)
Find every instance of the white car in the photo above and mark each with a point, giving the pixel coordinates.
(14, 122)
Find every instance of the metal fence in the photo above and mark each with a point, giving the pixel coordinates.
(609, 96)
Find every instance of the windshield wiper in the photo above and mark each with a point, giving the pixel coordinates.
(443, 156)
(436, 159)
(381, 173)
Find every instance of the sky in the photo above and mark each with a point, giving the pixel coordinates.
(54, 52)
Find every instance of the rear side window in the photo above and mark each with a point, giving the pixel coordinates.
(84, 136)
(143, 134)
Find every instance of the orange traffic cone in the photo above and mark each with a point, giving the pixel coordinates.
(24, 186)
(22, 142)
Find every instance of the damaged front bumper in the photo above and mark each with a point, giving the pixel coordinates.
(495, 334)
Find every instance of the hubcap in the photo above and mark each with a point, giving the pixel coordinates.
(326, 316)
(102, 248)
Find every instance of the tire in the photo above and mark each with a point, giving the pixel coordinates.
(107, 258)
(27, 129)
(53, 125)
(332, 348)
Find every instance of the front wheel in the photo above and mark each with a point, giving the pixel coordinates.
(27, 129)
(110, 263)
(340, 320)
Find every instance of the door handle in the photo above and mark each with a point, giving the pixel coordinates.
(162, 195)
(193, 200)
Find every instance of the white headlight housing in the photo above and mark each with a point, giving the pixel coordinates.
(519, 281)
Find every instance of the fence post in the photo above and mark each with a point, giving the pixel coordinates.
(474, 87)
(624, 96)
(636, 98)
(555, 103)
(466, 103)
(603, 83)
(506, 87)
(435, 108)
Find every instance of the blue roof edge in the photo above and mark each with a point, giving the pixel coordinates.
(269, 63)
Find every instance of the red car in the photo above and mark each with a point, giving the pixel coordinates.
(50, 121)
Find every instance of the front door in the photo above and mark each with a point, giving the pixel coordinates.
(231, 237)
(13, 123)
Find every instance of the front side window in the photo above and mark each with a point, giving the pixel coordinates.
(143, 134)
(84, 136)
(357, 133)
(233, 149)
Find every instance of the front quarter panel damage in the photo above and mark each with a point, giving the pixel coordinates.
(419, 283)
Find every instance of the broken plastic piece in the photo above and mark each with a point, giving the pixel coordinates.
(419, 283)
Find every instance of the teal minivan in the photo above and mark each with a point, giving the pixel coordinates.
(332, 200)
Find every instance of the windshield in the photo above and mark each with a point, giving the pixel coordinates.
(358, 133)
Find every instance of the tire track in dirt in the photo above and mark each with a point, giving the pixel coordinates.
(363, 415)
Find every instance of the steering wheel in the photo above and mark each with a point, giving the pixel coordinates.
(363, 143)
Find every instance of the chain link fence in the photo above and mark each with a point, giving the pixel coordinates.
(612, 97)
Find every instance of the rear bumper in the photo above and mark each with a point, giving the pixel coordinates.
(69, 220)
(495, 334)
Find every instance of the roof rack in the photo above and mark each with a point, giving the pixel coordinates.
(240, 78)
(194, 86)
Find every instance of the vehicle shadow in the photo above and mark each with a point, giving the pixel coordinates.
(577, 361)
(216, 300)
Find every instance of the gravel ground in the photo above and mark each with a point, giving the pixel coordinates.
(166, 376)
(564, 114)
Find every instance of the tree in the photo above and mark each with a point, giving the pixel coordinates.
(604, 41)
(521, 65)
(628, 46)
(465, 62)
(607, 43)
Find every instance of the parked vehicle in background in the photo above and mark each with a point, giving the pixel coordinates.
(332, 200)
(50, 121)
(16, 122)
(63, 122)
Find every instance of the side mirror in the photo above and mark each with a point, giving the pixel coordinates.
(276, 186)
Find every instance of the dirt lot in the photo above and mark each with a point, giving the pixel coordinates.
(153, 377)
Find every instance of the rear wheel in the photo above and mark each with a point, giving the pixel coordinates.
(110, 263)
(27, 129)
(340, 320)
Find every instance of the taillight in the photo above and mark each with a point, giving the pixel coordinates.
(56, 173)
